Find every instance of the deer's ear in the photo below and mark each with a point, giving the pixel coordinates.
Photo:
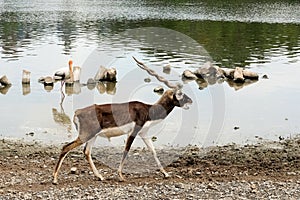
(179, 95)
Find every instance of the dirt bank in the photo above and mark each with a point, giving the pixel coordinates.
(261, 170)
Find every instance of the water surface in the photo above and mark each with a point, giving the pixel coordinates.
(264, 36)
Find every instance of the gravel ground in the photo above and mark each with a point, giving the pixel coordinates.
(269, 170)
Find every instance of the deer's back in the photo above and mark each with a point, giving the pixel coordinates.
(97, 117)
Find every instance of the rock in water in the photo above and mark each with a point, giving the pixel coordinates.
(48, 81)
(105, 74)
(159, 89)
(229, 73)
(4, 81)
(250, 75)
(91, 84)
(265, 76)
(187, 74)
(167, 69)
(26, 77)
(147, 80)
(238, 76)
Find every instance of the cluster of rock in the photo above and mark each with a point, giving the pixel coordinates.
(104, 80)
(210, 74)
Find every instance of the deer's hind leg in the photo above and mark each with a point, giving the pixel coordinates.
(65, 150)
(87, 152)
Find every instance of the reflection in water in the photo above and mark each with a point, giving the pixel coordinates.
(229, 44)
(205, 82)
(48, 88)
(26, 89)
(75, 88)
(62, 119)
(108, 87)
(238, 86)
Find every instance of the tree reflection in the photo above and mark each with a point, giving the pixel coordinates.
(228, 43)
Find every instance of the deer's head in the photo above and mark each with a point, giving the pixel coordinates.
(179, 98)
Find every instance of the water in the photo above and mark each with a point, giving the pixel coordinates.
(264, 36)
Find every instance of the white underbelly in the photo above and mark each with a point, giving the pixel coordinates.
(117, 131)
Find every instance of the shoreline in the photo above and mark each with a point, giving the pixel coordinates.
(27, 169)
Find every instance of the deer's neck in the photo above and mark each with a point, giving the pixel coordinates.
(161, 109)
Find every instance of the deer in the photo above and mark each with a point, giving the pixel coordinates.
(132, 118)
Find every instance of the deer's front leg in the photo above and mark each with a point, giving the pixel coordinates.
(151, 148)
(129, 141)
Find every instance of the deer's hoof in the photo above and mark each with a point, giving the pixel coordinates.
(121, 178)
(166, 175)
(54, 182)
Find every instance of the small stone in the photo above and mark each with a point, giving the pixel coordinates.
(147, 80)
(179, 185)
(211, 186)
(291, 173)
(253, 186)
(167, 69)
(281, 138)
(177, 176)
(136, 154)
(48, 81)
(159, 89)
(154, 138)
(73, 170)
(41, 79)
(265, 76)
(30, 133)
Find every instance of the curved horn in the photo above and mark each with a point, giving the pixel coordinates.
(153, 73)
